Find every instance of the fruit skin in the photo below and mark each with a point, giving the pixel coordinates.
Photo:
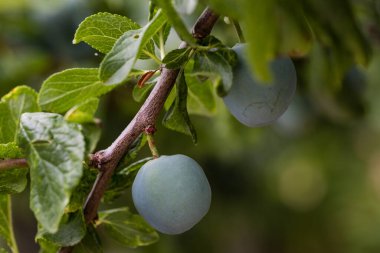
(258, 104)
(172, 193)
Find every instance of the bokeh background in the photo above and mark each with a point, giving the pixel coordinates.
(308, 183)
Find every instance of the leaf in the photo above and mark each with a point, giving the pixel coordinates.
(71, 230)
(64, 90)
(13, 180)
(123, 179)
(175, 20)
(21, 99)
(141, 93)
(55, 151)
(6, 226)
(47, 247)
(177, 118)
(201, 98)
(84, 112)
(214, 65)
(135, 148)
(175, 59)
(128, 229)
(82, 190)
(10, 151)
(90, 243)
(102, 30)
(117, 64)
(185, 6)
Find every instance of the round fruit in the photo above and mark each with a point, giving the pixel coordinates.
(257, 104)
(171, 193)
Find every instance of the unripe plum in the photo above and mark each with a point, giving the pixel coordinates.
(257, 104)
(172, 193)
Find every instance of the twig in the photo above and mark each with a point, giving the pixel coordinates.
(13, 163)
(107, 160)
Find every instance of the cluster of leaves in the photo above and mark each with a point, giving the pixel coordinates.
(55, 129)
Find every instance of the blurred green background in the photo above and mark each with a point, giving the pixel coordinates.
(308, 183)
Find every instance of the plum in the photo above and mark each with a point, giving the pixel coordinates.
(171, 193)
(258, 104)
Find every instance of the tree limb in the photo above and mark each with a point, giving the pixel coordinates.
(13, 163)
(107, 160)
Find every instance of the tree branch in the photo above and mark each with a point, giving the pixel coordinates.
(107, 160)
(13, 163)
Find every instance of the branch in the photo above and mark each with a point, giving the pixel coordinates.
(107, 160)
(13, 163)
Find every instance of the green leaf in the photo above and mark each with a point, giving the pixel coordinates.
(141, 93)
(177, 118)
(71, 230)
(102, 30)
(2, 250)
(6, 226)
(21, 99)
(10, 151)
(175, 59)
(13, 180)
(123, 179)
(212, 64)
(82, 190)
(117, 64)
(47, 246)
(55, 151)
(90, 243)
(136, 146)
(129, 229)
(69, 88)
(200, 98)
(185, 6)
(84, 112)
(175, 20)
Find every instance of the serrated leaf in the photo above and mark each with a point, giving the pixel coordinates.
(185, 6)
(175, 20)
(21, 99)
(123, 179)
(84, 112)
(177, 118)
(175, 59)
(90, 243)
(55, 151)
(10, 151)
(64, 90)
(70, 232)
(6, 229)
(212, 64)
(102, 30)
(118, 63)
(127, 228)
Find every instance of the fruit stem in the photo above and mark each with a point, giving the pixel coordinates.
(149, 131)
(239, 31)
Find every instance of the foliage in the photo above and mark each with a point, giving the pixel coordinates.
(56, 129)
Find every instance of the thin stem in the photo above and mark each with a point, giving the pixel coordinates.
(239, 31)
(149, 131)
(162, 44)
(153, 56)
(13, 242)
(13, 163)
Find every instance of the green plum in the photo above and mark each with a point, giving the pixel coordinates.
(258, 104)
(171, 193)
